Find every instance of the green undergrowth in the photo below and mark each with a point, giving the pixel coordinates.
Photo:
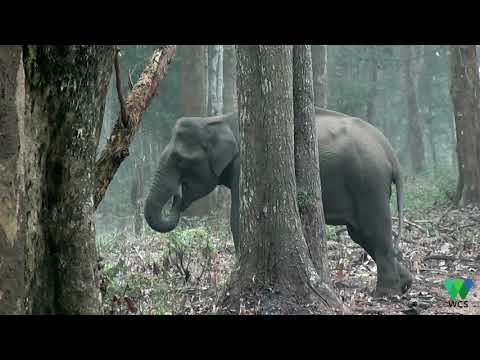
(157, 273)
(427, 190)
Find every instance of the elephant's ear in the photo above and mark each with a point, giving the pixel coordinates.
(222, 146)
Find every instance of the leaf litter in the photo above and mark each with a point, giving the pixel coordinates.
(144, 276)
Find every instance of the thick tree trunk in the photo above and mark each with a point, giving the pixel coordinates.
(415, 131)
(116, 149)
(65, 98)
(465, 92)
(275, 273)
(12, 182)
(372, 93)
(229, 79)
(320, 83)
(307, 167)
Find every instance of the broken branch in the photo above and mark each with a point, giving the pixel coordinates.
(116, 149)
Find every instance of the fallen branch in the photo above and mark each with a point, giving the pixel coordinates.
(447, 258)
(116, 149)
(413, 224)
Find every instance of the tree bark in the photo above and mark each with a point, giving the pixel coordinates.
(320, 83)
(307, 166)
(465, 90)
(65, 97)
(12, 182)
(116, 149)
(275, 272)
(415, 131)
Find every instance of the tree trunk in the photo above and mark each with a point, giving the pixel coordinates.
(320, 83)
(372, 93)
(215, 80)
(465, 90)
(65, 97)
(415, 131)
(229, 79)
(426, 90)
(195, 87)
(275, 273)
(307, 166)
(12, 182)
(194, 79)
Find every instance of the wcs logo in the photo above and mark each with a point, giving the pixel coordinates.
(457, 287)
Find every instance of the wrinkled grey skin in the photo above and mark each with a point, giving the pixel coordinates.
(357, 168)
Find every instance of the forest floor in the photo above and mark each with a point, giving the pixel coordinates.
(184, 272)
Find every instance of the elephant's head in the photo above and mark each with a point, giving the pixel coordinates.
(189, 168)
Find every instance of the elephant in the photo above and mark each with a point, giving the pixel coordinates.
(357, 168)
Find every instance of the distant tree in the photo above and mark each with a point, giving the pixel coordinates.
(425, 90)
(307, 168)
(465, 92)
(229, 79)
(195, 85)
(320, 83)
(415, 130)
(372, 94)
(215, 79)
(194, 79)
(275, 273)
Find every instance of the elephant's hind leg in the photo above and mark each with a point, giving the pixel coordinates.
(374, 235)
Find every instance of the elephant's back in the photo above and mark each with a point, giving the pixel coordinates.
(351, 145)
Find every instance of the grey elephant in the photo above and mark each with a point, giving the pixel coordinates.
(357, 168)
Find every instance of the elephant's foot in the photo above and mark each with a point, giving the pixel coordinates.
(392, 280)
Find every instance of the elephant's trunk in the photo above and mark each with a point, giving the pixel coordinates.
(164, 187)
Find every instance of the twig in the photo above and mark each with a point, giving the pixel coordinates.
(413, 224)
(130, 81)
(121, 99)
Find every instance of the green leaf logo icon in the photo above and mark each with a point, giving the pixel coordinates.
(458, 286)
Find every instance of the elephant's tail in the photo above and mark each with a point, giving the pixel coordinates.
(397, 179)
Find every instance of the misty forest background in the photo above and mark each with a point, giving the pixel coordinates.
(403, 90)
(73, 238)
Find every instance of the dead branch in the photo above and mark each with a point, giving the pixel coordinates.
(130, 82)
(116, 149)
(413, 224)
(121, 98)
(447, 258)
